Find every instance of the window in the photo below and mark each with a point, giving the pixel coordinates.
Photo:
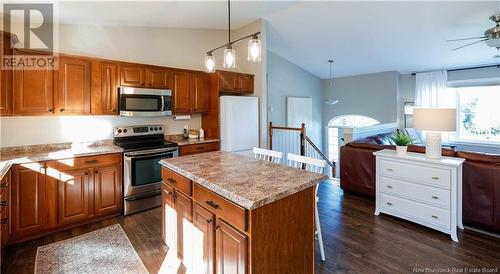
(478, 114)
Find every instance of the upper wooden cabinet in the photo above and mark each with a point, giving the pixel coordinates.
(200, 92)
(181, 91)
(105, 82)
(5, 77)
(234, 82)
(157, 78)
(33, 92)
(133, 75)
(73, 91)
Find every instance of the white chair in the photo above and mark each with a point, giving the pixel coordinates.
(268, 155)
(313, 165)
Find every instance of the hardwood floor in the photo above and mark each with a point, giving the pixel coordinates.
(355, 240)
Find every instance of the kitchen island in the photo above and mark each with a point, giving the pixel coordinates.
(227, 213)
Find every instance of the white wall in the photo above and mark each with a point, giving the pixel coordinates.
(286, 79)
(181, 48)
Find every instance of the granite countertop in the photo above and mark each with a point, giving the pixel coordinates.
(178, 139)
(36, 153)
(248, 182)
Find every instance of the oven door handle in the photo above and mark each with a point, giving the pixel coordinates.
(151, 151)
(150, 155)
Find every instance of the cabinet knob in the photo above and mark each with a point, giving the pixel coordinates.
(86, 173)
(209, 221)
(217, 227)
(50, 110)
(389, 204)
(96, 171)
(212, 204)
(61, 110)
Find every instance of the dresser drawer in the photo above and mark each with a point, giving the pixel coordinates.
(177, 181)
(221, 207)
(429, 175)
(428, 214)
(198, 148)
(432, 195)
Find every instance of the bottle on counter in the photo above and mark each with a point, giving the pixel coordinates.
(186, 132)
(202, 133)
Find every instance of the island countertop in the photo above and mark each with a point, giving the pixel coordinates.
(247, 182)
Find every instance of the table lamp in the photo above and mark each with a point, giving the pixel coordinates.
(434, 121)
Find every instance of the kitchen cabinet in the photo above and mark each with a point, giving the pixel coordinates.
(5, 76)
(107, 189)
(200, 92)
(133, 75)
(33, 92)
(198, 148)
(28, 198)
(73, 196)
(157, 78)
(181, 91)
(169, 217)
(183, 208)
(203, 222)
(233, 82)
(105, 82)
(55, 195)
(5, 206)
(231, 249)
(73, 90)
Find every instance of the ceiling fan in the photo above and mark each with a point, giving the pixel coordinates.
(491, 36)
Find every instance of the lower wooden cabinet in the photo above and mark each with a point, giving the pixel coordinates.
(231, 249)
(54, 195)
(184, 209)
(203, 222)
(198, 148)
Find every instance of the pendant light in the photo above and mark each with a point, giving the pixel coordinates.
(330, 84)
(254, 48)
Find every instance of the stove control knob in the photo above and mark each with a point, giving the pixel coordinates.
(125, 131)
(159, 128)
(119, 131)
(156, 128)
(151, 128)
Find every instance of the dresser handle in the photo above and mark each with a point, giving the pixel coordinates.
(435, 178)
(212, 204)
(435, 197)
(389, 187)
(390, 169)
(389, 204)
(435, 217)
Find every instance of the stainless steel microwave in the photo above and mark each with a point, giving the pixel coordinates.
(145, 102)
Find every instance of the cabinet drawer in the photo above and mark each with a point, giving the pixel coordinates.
(83, 162)
(428, 214)
(198, 148)
(428, 175)
(432, 195)
(175, 180)
(223, 208)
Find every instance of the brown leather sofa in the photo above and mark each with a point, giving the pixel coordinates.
(481, 178)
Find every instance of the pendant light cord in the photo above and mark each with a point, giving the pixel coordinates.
(229, 22)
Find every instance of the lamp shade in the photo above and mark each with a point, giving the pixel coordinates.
(435, 119)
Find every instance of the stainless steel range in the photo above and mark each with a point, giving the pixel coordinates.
(144, 146)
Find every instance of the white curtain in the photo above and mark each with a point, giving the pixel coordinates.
(431, 90)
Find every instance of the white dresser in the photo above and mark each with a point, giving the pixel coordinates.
(421, 190)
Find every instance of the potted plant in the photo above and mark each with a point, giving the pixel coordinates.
(401, 141)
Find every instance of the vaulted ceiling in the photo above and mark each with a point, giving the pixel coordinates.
(362, 37)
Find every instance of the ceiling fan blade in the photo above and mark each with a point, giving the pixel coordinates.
(462, 39)
(471, 44)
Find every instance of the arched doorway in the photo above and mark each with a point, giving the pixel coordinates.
(344, 121)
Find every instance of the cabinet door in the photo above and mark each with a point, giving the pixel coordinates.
(5, 77)
(200, 92)
(33, 92)
(228, 81)
(231, 249)
(5, 198)
(104, 88)
(157, 78)
(169, 217)
(107, 189)
(28, 198)
(245, 83)
(203, 234)
(181, 92)
(73, 91)
(132, 76)
(184, 207)
(73, 196)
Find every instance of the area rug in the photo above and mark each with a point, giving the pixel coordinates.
(106, 250)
